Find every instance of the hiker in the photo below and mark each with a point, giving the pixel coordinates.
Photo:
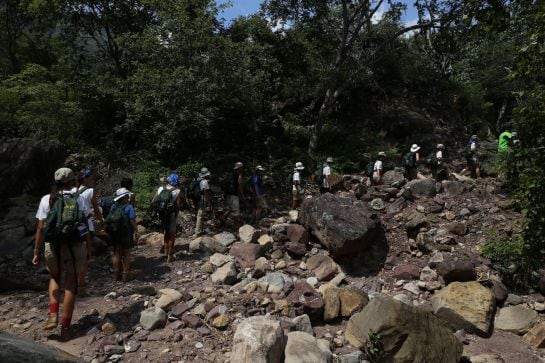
(128, 184)
(472, 158)
(504, 141)
(235, 194)
(202, 199)
(122, 229)
(378, 168)
(166, 204)
(325, 186)
(258, 193)
(86, 184)
(297, 185)
(437, 165)
(62, 229)
(410, 162)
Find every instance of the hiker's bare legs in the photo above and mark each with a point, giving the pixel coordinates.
(116, 262)
(69, 299)
(126, 260)
(54, 287)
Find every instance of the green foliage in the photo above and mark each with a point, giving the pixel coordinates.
(503, 251)
(146, 179)
(373, 346)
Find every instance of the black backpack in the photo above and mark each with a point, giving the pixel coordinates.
(194, 191)
(409, 160)
(468, 153)
(370, 168)
(118, 225)
(432, 159)
(105, 203)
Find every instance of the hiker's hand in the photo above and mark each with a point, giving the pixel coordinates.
(36, 259)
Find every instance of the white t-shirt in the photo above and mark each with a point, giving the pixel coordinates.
(296, 176)
(473, 146)
(376, 168)
(204, 185)
(326, 171)
(44, 208)
(175, 192)
(439, 154)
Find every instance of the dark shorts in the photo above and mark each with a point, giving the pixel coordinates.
(169, 224)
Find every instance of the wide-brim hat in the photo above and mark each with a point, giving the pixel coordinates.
(415, 148)
(260, 168)
(329, 160)
(120, 193)
(440, 146)
(238, 165)
(299, 166)
(64, 175)
(204, 173)
(382, 153)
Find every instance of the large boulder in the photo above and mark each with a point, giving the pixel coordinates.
(258, 340)
(346, 227)
(393, 177)
(27, 166)
(322, 266)
(461, 270)
(304, 348)
(422, 187)
(245, 253)
(453, 188)
(408, 334)
(516, 319)
(15, 349)
(465, 305)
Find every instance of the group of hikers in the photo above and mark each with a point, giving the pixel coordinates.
(71, 214)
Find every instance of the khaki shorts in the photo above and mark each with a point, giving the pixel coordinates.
(261, 202)
(233, 203)
(297, 193)
(66, 263)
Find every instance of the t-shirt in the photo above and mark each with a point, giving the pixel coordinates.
(473, 146)
(376, 168)
(87, 196)
(326, 171)
(503, 142)
(203, 184)
(439, 154)
(296, 176)
(129, 211)
(174, 191)
(43, 208)
(257, 183)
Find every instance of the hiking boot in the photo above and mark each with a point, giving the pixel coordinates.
(117, 275)
(52, 321)
(126, 276)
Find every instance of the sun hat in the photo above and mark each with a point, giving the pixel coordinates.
(120, 193)
(64, 175)
(382, 153)
(260, 168)
(415, 148)
(329, 160)
(299, 166)
(440, 146)
(173, 179)
(238, 165)
(204, 173)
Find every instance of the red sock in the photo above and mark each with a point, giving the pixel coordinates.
(54, 308)
(65, 323)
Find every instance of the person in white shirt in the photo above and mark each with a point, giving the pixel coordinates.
(205, 200)
(297, 188)
(61, 258)
(168, 222)
(378, 168)
(326, 174)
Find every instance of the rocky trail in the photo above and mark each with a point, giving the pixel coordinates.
(390, 273)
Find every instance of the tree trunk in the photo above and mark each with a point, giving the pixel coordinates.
(501, 115)
(325, 110)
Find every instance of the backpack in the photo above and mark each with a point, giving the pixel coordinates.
(64, 222)
(432, 159)
(105, 203)
(248, 189)
(289, 181)
(194, 191)
(163, 204)
(409, 160)
(468, 153)
(319, 176)
(370, 168)
(117, 224)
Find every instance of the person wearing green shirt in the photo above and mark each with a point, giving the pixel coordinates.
(504, 141)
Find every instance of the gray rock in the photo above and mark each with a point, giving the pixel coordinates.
(304, 348)
(225, 275)
(397, 206)
(248, 234)
(516, 319)
(377, 204)
(302, 323)
(354, 357)
(222, 241)
(274, 282)
(218, 259)
(513, 299)
(153, 318)
(258, 340)
(404, 299)
(15, 349)
(422, 188)
(453, 188)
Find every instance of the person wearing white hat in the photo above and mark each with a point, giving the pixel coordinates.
(61, 257)
(437, 165)
(205, 201)
(167, 203)
(410, 162)
(378, 168)
(297, 187)
(122, 244)
(234, 193)
(258, 193)
(326, 176)
(471, 152)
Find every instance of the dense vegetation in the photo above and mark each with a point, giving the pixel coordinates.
(170, 82)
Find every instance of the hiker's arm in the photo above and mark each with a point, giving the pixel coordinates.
(88, 239)
(241, 187)
(417, 157)
(133, 200)
(135, 229)
(38, 242)
(96, 209)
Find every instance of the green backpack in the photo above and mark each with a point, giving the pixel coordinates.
(194, 191)
(163, 204)
(467, 152)
(117, 224)
(64, 222)
(431, 159)
(319, 176)
(409, 160)
(370, 168)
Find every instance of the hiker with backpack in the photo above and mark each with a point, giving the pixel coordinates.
(166, 204)
(122, 230)
(410, 162)
(235, 193)
(437, 164)
(325, 183)
(258, 193)
(471, 152)
(62, 230)
(128, 184)
(297, 185)
(201, 198)
(378, 168)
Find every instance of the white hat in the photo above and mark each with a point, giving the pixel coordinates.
(440, 146)
(204, 173)
(260, 168)
(329, 160)
(64, 175)
(238, 165)
(415, 148)
(382, 153)
(299, 166)
(120, 193)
